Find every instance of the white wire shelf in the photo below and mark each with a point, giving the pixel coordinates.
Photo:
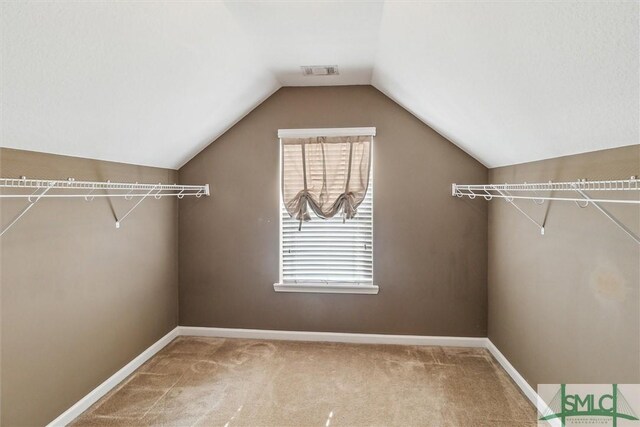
(36, 189)
(88, 189)
(540, 192)
(503, 191)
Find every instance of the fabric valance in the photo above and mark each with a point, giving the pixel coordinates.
(328, 175)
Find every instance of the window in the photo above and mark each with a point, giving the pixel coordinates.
(332, 255)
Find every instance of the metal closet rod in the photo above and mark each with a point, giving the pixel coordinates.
(504, 191)
(45, 188)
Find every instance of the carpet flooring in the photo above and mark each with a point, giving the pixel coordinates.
(236, 382)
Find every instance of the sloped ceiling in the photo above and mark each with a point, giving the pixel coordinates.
(153, 83)
(511, 82)
(149, 83)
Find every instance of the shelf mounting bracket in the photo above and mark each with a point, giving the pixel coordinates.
(118, 221)
(32, 203)
(606, 213)
(507, 197)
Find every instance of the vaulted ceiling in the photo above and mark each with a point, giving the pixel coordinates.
(153, 83)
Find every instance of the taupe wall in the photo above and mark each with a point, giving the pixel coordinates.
(429, 248)
(564, 307)
(80, 299)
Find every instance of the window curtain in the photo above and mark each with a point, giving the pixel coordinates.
(328, 175)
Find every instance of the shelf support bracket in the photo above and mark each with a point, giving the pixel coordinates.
(606, 213)
(507, 197)
(29, 206)
(118, 221)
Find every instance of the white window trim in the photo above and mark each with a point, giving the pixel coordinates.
(327, 288)
(319, 287)
(310, 133)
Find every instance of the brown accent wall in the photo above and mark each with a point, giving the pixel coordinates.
(429, 248)
(565, 307)
(80, 298)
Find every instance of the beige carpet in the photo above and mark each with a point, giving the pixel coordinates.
(233, 382)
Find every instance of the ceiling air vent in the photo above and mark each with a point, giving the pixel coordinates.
(320, 70)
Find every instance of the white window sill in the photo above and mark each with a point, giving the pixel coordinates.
(326, 288)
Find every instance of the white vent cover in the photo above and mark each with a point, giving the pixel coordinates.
(319, 70)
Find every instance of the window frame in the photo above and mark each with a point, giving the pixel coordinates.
(322, 287)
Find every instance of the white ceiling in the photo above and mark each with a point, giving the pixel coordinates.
(512, 82)
(287, 35)
(148, 83)
(153, 83)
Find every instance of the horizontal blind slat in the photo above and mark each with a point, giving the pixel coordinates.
(329, 250)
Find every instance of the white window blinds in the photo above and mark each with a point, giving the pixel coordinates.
(329, 250)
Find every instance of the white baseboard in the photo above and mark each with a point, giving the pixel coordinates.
(269, 334)
(528, 391)
(83, 404)
(91, 398)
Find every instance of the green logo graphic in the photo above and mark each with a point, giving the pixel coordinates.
(564, 406)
